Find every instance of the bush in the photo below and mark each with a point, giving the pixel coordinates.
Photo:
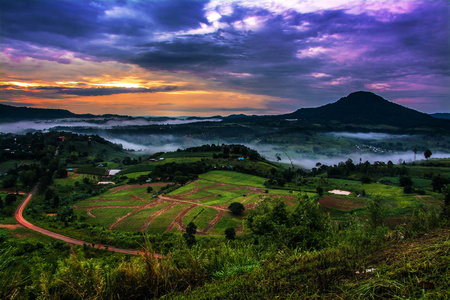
(375, 211)
(230, 233)
(10, 198)
(408, 189)
(306, 226)
(365, 179)
(236, 208)
(405, 181)
(319, 191)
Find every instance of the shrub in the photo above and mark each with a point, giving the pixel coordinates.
(306, 226)
(405, 181)
(365, 179)
(375, 211)
(408, 189)
(236, 208)
(10, 198)
(230, 233)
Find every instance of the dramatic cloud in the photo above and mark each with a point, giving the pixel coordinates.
(296, 52)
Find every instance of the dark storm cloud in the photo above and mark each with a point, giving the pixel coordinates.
(193, 54)
(55, 91)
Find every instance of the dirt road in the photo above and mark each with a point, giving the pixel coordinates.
(21, 220)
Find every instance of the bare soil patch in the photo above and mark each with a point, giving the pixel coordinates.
(12, 192)
(133, 186)
(178, 221)
(212, 223)
(11, 226)
(331, 202)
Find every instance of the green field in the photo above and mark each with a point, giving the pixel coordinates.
(160, 223)
(104, 216)
(201, 216)
(135, 221)
(184, 189)
(228, 220)
(137, 174)
(186, 154)
(233, 178)
(73, 177)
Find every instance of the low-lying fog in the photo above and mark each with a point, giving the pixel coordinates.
(148, 144)
(98, 123)
(368, 135)
(167, 143)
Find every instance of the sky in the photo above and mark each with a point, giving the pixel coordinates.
(206, 58)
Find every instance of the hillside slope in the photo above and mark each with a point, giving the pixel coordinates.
(370, 109)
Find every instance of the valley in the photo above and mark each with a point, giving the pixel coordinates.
(252, 199)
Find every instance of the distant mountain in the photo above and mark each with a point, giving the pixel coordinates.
(10, 113)
(366, 108)
(445, 116)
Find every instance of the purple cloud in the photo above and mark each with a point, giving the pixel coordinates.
(308, 52)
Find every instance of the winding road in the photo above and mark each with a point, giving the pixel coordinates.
(25, 223)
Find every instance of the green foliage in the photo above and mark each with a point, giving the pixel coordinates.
(376, 211)
(427, 154)
(319, 191)
(365, 179)
(66, 214)
(306, 226)
(10, 199)
(191, 228)
(230, 233)
(189, 239)
(9, 181)
(236, 208)
(91, 170)
(446, 205)
(405, 181)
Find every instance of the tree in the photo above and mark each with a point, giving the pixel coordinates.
(9, 181)
(27, 178)
(427, 154)
(149, 189)
(62, 173)
(66, 214)
(1, 203)
(365, 179)
(438, 182)
(189, 235)
(191, 228)
(189, 239)
(230, 233)
(319, 191)
(408, 189)
(236, 208)
(405, 181)
(56, 201)
(306, 226)
(10, 198)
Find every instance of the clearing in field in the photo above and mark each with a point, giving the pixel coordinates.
(341, 204)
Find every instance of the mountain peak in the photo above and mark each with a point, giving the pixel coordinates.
(363, 97)
(367, 108)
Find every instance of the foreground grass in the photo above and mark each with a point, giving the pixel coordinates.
(412, 269)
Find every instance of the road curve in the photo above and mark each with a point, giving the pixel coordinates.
(21, 220)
